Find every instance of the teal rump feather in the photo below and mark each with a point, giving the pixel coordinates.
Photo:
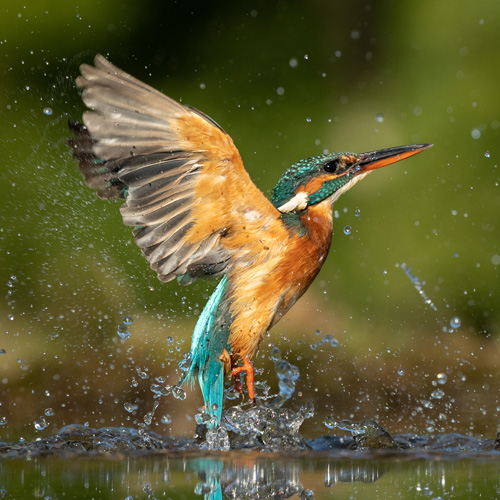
(210, 338)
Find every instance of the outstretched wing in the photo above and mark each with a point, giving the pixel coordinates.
(192, 203)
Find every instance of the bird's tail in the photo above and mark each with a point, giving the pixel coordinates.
(210, 338)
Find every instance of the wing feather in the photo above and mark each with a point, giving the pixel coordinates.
(185, 188)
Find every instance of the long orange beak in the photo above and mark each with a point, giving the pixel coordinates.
(382, 157)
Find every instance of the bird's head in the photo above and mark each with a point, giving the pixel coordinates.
(327, 176)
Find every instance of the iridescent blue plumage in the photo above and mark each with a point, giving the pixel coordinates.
(210, 338)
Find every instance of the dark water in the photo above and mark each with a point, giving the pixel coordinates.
(123, 463)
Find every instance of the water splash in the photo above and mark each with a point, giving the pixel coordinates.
(327, 339)
(263, 425)
(218, 439)
(287, 374)
(418, 284)
(265, 428)
(366, 434)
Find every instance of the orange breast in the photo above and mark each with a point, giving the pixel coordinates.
(264, 291)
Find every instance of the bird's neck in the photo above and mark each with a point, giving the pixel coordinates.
(316, 222)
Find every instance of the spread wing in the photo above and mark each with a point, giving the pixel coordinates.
(192, 204)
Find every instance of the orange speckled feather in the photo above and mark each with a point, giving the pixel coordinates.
(226, 198)
(265, 291)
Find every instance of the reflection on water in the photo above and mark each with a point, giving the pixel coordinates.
(245, 475)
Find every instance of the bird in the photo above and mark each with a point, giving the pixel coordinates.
(196, 213)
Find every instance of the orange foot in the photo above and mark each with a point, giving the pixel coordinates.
(248, 368)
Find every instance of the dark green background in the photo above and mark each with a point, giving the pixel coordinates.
(286, 80)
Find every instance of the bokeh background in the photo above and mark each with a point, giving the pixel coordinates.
(416, 350)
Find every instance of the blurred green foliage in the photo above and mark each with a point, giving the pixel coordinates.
(287, 80)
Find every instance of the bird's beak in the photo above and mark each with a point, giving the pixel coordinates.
(382, 157)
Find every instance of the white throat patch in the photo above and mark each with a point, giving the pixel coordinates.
(299, 201)
(347, 186)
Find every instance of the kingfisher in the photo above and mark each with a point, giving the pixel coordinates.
(196, 213)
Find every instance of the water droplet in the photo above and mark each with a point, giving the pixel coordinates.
(437, 394)
(347, 230)
(166, 419)
(379, 117)
(184, 364)
(475, 133)
(10, 317)
(293, 63)
(357, 212)
(487, 154)
(49, 412)
(330, 422)
(280, 90)
(401, 372)
(130, 407)
(123, 332)
(178, 393)
(3, 351)
(47, 111)
(308, 119)
(455, 322)
(275, 354)
(40, 424)
(329, 339)
(4, 420)
(128, 320)
(202, 418)
(161, 390)
(442, 378)
(148, 418)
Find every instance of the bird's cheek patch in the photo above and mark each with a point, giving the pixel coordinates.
(315, 184)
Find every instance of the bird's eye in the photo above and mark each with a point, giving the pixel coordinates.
(332, 166)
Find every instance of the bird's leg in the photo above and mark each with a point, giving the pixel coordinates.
(248, 368)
